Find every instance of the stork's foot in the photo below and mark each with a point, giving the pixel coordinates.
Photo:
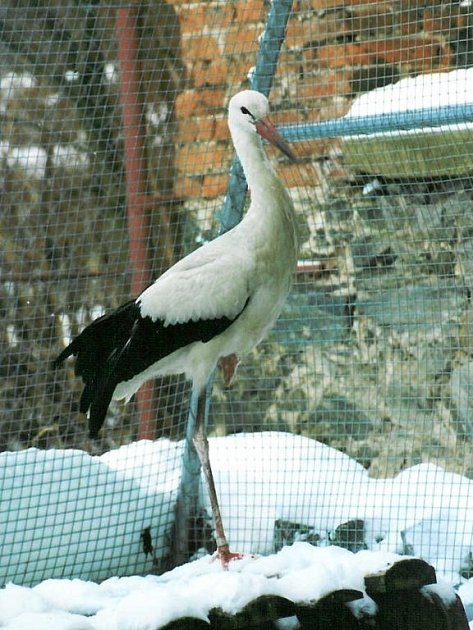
(225, 556)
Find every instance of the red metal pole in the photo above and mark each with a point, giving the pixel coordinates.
(134, 132)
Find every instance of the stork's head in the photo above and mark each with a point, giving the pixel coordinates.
(248, 115)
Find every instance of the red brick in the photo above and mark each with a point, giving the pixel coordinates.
(195, 129)
(221, 14)
(443, 19)
(372, 19)
(297, 33)
(192, 19)
(186, 130)
(202, 129)
(408, 20)
(289, 64)
(186, 103)
(251, 11)
(238, 68)
(197, 16)
(221, 131)
(326, 84)
(199, 158)
(335, 108)
(295, 175)
(214, 185)
(285, 117)
(242, 40)
(214, 72)
(312, 148)
(338, 171)
(187, 187)
(435, 22)
(204, 47)
(343, 55)
(199, 102)
(422, 53)
(301, 32)
(321, 5)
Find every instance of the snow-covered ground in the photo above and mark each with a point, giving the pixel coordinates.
(65, 515)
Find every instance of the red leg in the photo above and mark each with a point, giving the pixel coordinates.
(228, 365)
(201, 445)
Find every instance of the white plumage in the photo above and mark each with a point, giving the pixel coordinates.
(217, 302)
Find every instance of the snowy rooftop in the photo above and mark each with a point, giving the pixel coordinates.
(431, 150)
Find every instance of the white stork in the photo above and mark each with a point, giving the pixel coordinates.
(211, 307)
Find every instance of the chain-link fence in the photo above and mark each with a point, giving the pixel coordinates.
(114, 163)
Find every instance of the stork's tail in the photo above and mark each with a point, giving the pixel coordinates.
(97, 349)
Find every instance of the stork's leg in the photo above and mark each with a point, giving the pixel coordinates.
(201, 445)
(228, 366)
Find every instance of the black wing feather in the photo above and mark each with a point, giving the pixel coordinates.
(119, 345)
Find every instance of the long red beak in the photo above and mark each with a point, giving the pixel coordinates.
(268, 131)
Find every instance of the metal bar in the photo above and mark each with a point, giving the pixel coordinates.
(186, 510)
(134, 133)
(430, 117)
(187, 499)
(261, 79)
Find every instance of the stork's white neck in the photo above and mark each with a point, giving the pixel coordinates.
(271, 204)
(258, 169)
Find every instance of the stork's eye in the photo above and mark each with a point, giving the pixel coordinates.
(246, 111)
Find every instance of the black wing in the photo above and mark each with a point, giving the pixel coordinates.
(119, 345)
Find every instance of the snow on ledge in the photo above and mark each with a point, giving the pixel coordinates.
(301, 573)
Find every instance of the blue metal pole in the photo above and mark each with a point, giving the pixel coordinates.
(187, 500)
(261, 80)
(380, 123)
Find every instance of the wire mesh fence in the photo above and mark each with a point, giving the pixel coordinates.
(114, 163)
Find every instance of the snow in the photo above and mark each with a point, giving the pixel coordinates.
(68, 157)
(58, 507)
(110, 73)
(301, 573)
(439, 89)
(12, 82)
(442, 591)
(425, 91)
(465, 591)
(71, 76)
(69, 521)
(31, 159)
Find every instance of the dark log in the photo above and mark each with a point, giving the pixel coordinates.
(259, 613)
(408, 598)
(448, 605)
(411, 573)
(187, 623)
(329, 612)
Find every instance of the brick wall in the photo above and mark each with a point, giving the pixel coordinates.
(333, 51)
